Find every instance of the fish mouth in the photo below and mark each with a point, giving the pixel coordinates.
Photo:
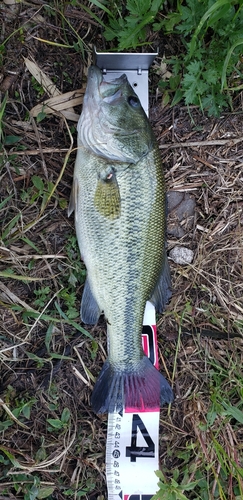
(97, 87)
(95, 77)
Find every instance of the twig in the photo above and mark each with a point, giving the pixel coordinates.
(39, 144)
(33, 152)
(11, 415)
(191, 144)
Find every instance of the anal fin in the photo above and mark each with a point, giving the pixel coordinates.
(89, 309)
(162, 292)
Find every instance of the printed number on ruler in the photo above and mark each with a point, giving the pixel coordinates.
(135, 451)
(132, 442)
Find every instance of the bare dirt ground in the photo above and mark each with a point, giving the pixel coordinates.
(49, 434)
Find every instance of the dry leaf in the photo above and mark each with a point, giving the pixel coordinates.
(44, 80)
(60, 103)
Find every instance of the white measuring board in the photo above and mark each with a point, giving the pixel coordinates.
(132, 446)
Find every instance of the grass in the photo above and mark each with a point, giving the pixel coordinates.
(52, 445)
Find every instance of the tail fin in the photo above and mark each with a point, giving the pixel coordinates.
(141, 387)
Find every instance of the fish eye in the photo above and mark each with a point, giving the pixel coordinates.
(133, 101)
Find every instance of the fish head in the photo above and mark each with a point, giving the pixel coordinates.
(113, 123)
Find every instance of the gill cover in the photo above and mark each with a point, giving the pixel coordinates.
(113, 124)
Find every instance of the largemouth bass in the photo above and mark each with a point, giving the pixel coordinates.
(118, 196)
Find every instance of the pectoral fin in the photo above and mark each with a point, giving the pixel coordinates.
(89, 309)
(107, 196)
(162, 292)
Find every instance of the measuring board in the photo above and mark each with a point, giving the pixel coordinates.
(132, 447)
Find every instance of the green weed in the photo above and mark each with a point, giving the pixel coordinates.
(37, 87)
(2, 111)
(14, 409)
(56, 424)
(5, 140)
(10, 228)
(30, 486)
(172, 489)
(131, 30)
(211, 33)
(85, 487)
(42, 295)
(51, 317)
(40, 190)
